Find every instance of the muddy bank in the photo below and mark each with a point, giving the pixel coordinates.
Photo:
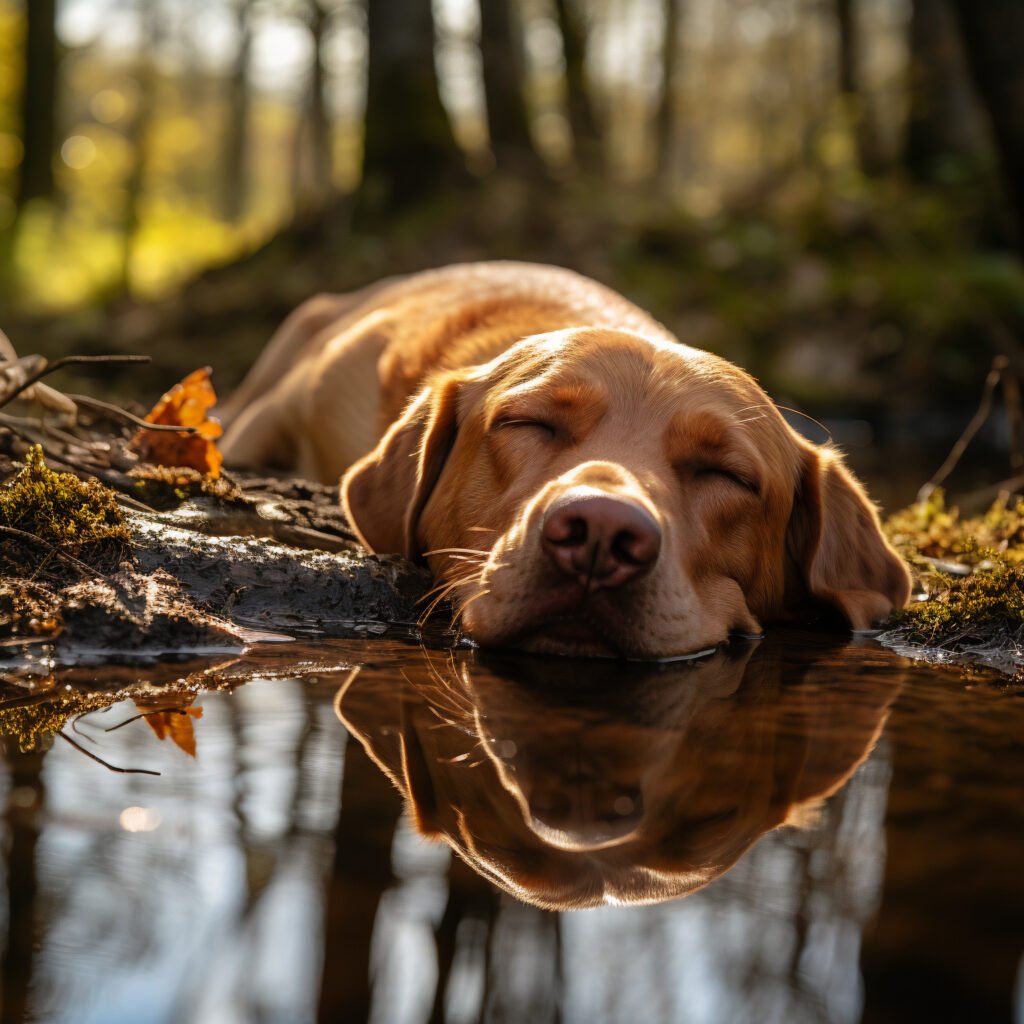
(259, 555)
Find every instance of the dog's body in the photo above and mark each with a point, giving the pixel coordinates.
(583, 482)
(343, 367)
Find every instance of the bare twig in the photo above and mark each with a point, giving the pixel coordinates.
(982, 498)
(1000, 366)
(77, 731)
(69, 361)
(139, 506)
(146, 714)
(1011, 396)
(20, 641)
(32, 538)
(106, 764)
(118, 412)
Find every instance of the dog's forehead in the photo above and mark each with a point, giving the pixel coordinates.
(602, 359)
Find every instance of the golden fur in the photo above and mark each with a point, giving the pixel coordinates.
(461, 403)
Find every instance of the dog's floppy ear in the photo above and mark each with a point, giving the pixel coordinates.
(384, 493)
(836, 541)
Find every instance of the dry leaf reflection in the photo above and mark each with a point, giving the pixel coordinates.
(175, 723)
(186, 405)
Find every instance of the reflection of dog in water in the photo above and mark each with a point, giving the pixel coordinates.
(641, 793)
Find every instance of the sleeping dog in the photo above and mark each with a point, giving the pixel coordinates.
(578, 480)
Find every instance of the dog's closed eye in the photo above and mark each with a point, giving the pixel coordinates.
(729, 476)
(521, 423)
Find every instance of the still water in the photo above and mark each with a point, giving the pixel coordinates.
(800, 829)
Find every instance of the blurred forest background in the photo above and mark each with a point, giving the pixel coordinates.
(830, 192)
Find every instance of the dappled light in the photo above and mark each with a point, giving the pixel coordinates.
(511, 511)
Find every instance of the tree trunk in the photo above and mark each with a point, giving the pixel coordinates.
(851, 94)
(39, 102)
(992, 33)
(138, 137)
(508, 118)
(942, 120)
(409, 150)
(314, 166)
(236, 138)
(23, 826)
(582, 121)
(667, 129)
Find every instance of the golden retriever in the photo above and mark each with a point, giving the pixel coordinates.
(644, 785)
(578, 480)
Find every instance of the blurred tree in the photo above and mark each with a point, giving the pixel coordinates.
(667, 111)
(313, 164)
(409, 150)
(851, 92)
(582, 121)
(360, 876)
(38, 101)
(941, 121)
(993, 32)
(504, 71)
(235, 180)
(138, 132)
(24, 770)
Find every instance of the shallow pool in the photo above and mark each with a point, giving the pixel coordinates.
(800, 829)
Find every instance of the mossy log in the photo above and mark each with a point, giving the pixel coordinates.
(264, 555)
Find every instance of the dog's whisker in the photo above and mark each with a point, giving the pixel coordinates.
(450, 581)
(461, 610)
(458, 551)
(433, 604)
(445, 591)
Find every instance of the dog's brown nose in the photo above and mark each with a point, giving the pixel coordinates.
(600, 539)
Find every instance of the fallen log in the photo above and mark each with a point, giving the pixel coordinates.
(265, 555)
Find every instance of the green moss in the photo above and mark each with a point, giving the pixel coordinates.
(165, 487)
(932, 531)
(82, 518)
(977, 617)
(964, 607)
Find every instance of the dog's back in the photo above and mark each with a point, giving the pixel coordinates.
(342, 367)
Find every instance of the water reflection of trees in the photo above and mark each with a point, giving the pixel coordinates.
(279, 886)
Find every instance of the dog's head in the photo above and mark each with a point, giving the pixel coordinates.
(596, 492)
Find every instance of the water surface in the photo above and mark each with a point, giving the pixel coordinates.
(800, 829)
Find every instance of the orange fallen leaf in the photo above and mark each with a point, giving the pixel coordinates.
(177, 724)
(185, 405)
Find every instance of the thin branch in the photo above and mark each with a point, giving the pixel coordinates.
(106, 764)
(69, 361)
(117, 411)
(29, 700)
(146, 714)
(1014, 419)
(1000, 365)
(77, 731)
(127, 499)
(31, 537)
(983, 497)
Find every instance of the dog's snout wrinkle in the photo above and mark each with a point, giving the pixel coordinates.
(600, 539)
